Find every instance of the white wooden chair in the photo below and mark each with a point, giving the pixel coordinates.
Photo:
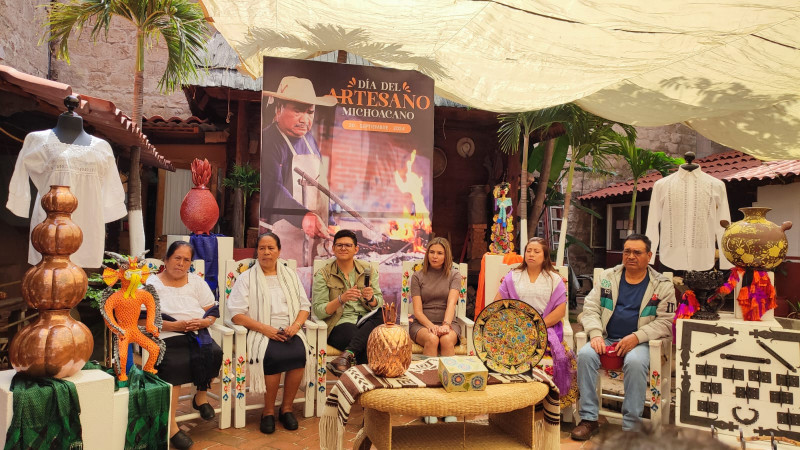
(465, 346)
(326, 352)
(239, 374)
(610, 382)
(222, 335)
(498, 270)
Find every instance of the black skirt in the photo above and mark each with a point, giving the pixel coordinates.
(284, 356)
(175, 368)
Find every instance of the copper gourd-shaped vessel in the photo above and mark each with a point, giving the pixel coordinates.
(55, 345)
(389, 346)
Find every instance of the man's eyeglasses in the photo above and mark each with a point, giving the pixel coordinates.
(629, 252)
(343, 246)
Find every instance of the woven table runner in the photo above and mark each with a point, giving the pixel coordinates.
(422, 374)
(46, 414)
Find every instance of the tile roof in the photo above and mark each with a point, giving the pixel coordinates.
(159, 122)
(103, 115)
(767, 171)
(727, 166)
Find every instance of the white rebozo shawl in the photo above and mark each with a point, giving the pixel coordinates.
(259, 303)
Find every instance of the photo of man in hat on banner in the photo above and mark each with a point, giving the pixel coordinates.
(291, 206)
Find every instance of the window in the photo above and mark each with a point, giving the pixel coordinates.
(617, 223)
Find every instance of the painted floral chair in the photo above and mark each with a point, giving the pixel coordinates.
(223, 336)
(610, 382)
(465, 346)
(238, 373)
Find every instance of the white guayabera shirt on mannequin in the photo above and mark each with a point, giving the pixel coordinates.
(91, 174)
(689, 206)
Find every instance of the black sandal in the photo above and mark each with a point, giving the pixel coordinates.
(267, 424)
(181, 440)
(288, 420)
(206, 410)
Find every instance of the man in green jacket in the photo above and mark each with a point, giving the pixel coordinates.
(345, 291)
(627, 309)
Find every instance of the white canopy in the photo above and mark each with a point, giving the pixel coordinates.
(729, 69)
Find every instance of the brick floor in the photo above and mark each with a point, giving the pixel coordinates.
(206, 435)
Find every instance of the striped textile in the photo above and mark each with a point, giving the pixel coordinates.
(360, 379)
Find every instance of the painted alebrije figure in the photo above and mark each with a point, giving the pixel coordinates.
(502, 222)
(121, 308)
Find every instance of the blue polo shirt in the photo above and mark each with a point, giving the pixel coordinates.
(625, 318)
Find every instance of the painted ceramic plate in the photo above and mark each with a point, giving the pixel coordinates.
(510, 337)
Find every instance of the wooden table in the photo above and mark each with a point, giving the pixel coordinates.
(511, 410)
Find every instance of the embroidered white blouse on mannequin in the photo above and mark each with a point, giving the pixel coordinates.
(688, 205)
(91, 174)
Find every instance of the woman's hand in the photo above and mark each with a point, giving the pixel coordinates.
(443, 330)
(291, 330)
(272, 333)
(199, 324)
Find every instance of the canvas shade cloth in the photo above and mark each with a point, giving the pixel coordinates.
(728, 69)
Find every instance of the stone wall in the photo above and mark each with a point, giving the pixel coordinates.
(20, 31)
(105, 69)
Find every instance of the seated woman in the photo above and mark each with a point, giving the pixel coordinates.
(187, 307)
(434, 293)
(537, 283)
(269, 300)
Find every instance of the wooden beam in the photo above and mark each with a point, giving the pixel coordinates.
(242, 137)
(162, 185)
(235, 94)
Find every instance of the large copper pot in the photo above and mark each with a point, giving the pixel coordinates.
(754, 242)
(54, 345)
(389, 346)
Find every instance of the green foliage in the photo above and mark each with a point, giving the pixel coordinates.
(559, 159)
(181, 23)
(640, 160)
(243, 177)
(94, 292)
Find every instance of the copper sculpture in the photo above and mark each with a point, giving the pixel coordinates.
(55, 345)
(389, 346)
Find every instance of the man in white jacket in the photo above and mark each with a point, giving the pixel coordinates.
(627, 309)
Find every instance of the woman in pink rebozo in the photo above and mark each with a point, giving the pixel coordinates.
(536, 282)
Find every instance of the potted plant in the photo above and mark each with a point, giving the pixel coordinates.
(245, 180)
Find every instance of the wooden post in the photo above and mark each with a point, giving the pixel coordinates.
(242, 141)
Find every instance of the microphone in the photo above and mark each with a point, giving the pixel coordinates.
(367, 273)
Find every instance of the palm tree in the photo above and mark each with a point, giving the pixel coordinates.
(511, 126)
(640, 161)
(180, 23)
(585, 133)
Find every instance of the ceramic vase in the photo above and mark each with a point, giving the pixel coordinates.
(55, 345)
(199, 209)
(754, 242)
(389, 346)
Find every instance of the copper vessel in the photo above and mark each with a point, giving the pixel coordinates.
(389, 346)
(55, 345)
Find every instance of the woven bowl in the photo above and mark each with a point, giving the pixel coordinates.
(609, 360)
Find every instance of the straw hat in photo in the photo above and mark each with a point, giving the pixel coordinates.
(300, 90)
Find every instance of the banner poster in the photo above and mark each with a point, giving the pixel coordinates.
(346, 147)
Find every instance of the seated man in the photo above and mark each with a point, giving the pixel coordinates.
(343, 292)
(627, 309)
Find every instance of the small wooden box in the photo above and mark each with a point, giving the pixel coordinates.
(462, 373)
